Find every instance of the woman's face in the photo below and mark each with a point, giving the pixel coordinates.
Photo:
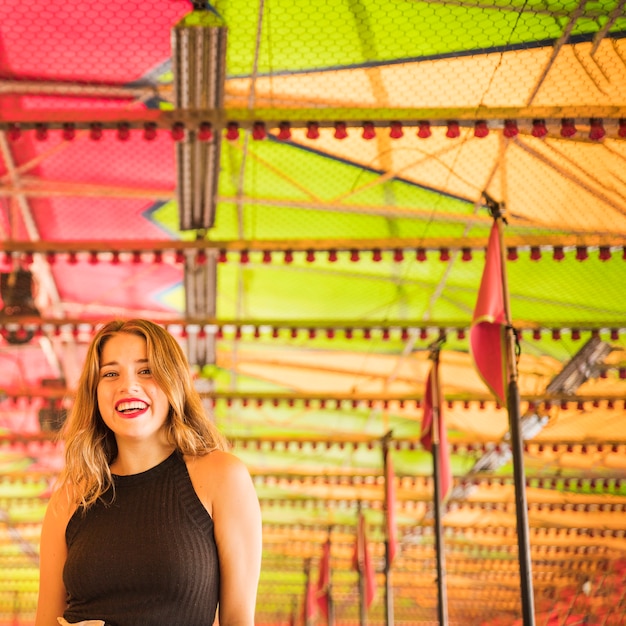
(131, 403)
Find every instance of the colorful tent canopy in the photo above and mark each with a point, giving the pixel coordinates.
(360, 143)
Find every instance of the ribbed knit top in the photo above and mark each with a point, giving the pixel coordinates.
(148, 558)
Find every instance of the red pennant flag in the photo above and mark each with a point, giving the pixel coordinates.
(390, 503)
(323, 581)
(487, 334)
(310, 601)
(445, 471)
(362, 561)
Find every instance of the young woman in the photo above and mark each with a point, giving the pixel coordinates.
(153, 522)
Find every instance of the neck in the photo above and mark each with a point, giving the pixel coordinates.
(133, 459)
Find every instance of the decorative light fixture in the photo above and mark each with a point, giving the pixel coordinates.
(16, 288)
(199, 66)
(585, 364)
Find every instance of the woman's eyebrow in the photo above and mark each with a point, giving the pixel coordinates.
(138, 362)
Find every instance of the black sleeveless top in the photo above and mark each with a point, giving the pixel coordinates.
(148, 558)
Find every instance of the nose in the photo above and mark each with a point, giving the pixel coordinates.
(129, 382)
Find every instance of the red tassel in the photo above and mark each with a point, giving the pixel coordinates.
(395, 130)
(510, 129)
(69, 131)
(312, 130)
(444, 254)
(558, 254)
(539, 129)
(466, 254)
(511, 254)
(621, 131)
(95, 131)
(453, 130)
(535, 253)
(41, 132)
(420, 255)
(310, 256)
(205, 131)
(123, 131)
(581, 253)
(284, 131)
(424, 131)
(568, 128)
(481, 129)
(14, 132)
(340, 130)
(604, 253)
(596, 129)
(377, 255)
(149, 131)
(258, 131)
(369, 132)
(232, 131)
(178, 131)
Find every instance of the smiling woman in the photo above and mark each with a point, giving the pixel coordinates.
(153, 521)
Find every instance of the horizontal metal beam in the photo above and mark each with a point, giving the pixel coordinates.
(301, 117)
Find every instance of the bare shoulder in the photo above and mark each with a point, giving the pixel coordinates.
(216, 475)
(61, 507)
(218, 463)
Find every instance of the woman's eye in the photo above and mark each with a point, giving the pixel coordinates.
(108, 374)
(147, 371)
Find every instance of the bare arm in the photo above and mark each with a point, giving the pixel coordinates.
(53, 552)
(237, 518)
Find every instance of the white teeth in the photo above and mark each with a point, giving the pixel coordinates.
(123, 407)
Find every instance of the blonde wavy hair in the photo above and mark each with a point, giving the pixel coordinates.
(90, 446)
